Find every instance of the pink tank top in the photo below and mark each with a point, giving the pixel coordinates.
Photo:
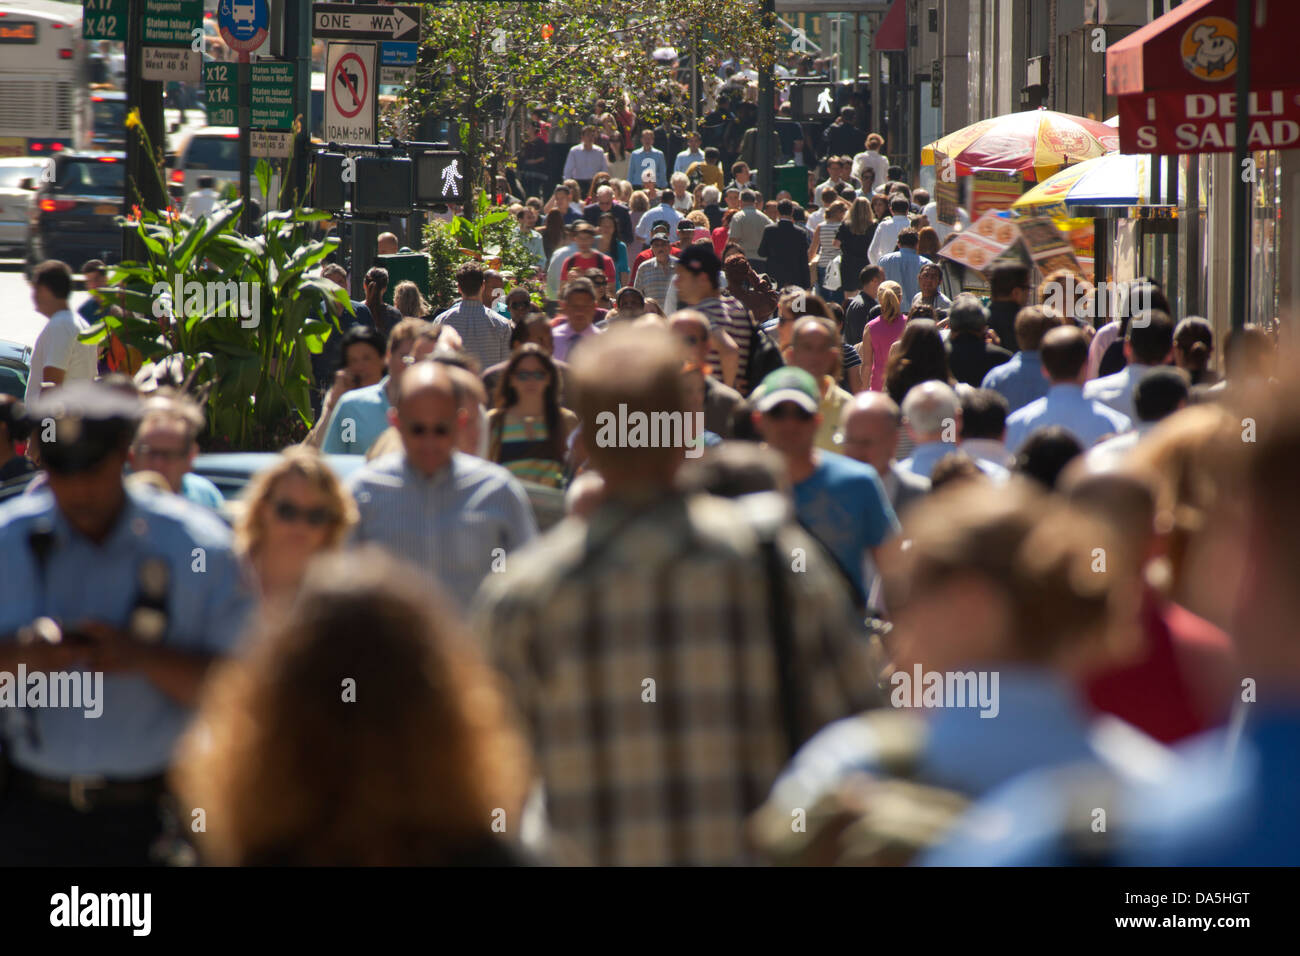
(882, 334)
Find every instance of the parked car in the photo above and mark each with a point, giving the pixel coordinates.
(18, 179)
(231, 472)
(73, 217)
(15, 366)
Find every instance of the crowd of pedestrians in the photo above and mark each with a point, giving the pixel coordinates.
(855, 566)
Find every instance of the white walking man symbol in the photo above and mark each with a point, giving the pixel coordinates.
(824, 101)
(449, 176)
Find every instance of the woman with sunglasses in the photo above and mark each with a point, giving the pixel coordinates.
(528, 431)
(293, 511)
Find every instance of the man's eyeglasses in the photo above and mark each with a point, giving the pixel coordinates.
(524, 376)
(290, 513)
(165, 454)
(419, 429)
(691, 339)
(789, 410)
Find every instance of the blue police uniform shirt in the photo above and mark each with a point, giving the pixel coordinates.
(207, 606)
(199, 490)
(845, 507)
(367, 409)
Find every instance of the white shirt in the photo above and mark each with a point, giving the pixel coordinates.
(201, 202)
(1116, 390)
(931, 212)
(886, 237)
(874, 161)
(57, 347)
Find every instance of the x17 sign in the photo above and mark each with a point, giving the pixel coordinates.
(347, 21)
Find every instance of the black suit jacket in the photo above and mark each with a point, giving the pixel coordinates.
(784, 247)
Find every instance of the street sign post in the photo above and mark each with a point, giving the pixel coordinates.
(104, 19)
(347, 21)
(243, 26)
(220, 85)
(351, 92)
(170, 29)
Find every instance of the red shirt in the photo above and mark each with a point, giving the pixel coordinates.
(592, 260)
(1179, 684)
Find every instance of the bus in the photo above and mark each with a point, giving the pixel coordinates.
(43, 79)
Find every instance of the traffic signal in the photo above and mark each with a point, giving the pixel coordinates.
(440, 178)
(812, 102)
(383, 186)
(328, 189)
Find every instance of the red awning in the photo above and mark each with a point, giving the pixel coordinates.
(1176, 79)
(892, 34)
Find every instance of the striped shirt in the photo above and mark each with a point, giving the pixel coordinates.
(728, 313)
(674, 592)
(826, 236)
(449, 526)
(652, 278)
(485, 333)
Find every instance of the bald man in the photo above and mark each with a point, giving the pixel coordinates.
(450, 515)
(387, 244)
(868, 433)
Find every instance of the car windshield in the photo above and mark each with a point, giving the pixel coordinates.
(91, 177)
(212, 152)
(11, 177)
(110, 117)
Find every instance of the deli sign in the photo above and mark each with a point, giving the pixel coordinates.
(1169, 123)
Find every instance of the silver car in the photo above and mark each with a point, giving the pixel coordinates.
(16, 200)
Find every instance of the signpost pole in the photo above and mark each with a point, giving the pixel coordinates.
(245, 121)
(297, 23)
(763, 157)
(146, 96)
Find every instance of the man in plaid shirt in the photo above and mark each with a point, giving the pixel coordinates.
(654, 275)
(640, 644)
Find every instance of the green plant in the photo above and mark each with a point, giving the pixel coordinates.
(491, 235)
(241, 315)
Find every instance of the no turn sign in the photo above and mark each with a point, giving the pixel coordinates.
(350, 88)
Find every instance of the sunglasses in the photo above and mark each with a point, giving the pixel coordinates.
(788, 410)
(419, 429)
(539, 376)
(290, 513)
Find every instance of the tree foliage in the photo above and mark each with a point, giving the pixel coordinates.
(481, 58)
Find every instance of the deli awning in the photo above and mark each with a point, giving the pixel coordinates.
(1175, 79)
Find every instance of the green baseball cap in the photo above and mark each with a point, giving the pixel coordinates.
(789, 384)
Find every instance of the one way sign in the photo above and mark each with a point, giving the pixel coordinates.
(347, 21)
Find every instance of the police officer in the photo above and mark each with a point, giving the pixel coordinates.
(127, 592)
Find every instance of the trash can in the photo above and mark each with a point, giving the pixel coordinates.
(402, 266)
(793, 178)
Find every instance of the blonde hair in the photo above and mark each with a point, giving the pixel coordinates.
(408, 300)
(890, 297)
(306, 463)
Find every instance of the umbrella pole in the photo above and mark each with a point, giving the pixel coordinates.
(1242, 187)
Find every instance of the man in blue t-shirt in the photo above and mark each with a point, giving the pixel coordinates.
(840, 501)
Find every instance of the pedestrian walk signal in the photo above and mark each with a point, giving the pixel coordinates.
(383, 186)
(813, 102)
(440, 178)
(328, 191)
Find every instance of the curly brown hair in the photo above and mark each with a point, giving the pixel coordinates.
(411, 768)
